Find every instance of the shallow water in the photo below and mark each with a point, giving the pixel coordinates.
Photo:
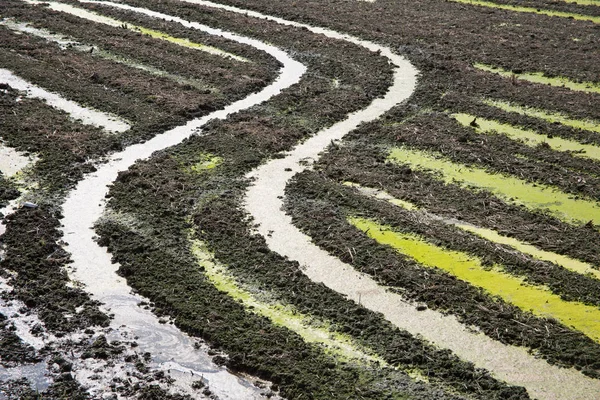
(170, 348)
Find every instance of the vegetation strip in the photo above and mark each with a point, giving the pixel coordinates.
(70, 43)
(539, 77)
(511, 189)
(489, 234)
(551, 13)
(538, 300)
(552, 117)
(340, 345)
(91, 16)
(87, 116)
(529, 137)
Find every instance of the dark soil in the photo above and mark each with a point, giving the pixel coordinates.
(12, 350)
(444, 40)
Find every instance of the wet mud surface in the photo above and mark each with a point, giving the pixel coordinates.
(158, 205)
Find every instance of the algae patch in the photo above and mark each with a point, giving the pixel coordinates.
(539, 77)
(537, 299)
(206, 163)
(511, 189)
(335, 343)
(551, 117)
(550, 13)
(528, 137)
(491, 235)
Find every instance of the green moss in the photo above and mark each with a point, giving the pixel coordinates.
(551, 13)
(509, 188)
(207, 162)
(537, 299)
(539, 77)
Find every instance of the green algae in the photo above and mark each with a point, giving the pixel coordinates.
(537, 299)
(70, 43)
(509, 188)
(539, 77)
(206, 163)
(183, 42)
(488, 234)
(551, 13)
(381, 195)
(335, 343)
(529, 137)
(552, 117)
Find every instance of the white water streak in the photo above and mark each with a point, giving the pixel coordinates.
(264, 202)
(94, 17)
(92, 264)
(86, 115)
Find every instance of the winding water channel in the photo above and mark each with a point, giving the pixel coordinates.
(172, 350)
(264, 201)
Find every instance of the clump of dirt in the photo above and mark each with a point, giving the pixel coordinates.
(12, 350)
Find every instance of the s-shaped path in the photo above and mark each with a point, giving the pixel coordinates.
(92, 265)
(264, 201)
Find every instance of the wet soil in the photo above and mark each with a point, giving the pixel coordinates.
(212, 199)
(320, 207)
(12, 350)
(168, 198)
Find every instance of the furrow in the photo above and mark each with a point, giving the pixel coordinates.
(69, 43)
(91, 16)
(551, 117)
(87, 116)
(529, 137)
(539, 300)
(539, 77)
(92, 264)
(566, 262)
(264, 202)
(531, 10)
(511, 189)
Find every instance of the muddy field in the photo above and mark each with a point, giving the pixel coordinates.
(327, 199)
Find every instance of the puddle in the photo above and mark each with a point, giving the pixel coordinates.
(528, 137)
(539, 11)
(513, 190)
(35, 374)
(92, 264)
(552, 117)
(514, 290)
(566, 262)
(70, 43)
(95, 17)
(539, 77)
(13, 161)
(87, 116)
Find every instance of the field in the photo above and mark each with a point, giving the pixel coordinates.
(326, 199)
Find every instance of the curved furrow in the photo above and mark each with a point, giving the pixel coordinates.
(92, 264)
(264, 201)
